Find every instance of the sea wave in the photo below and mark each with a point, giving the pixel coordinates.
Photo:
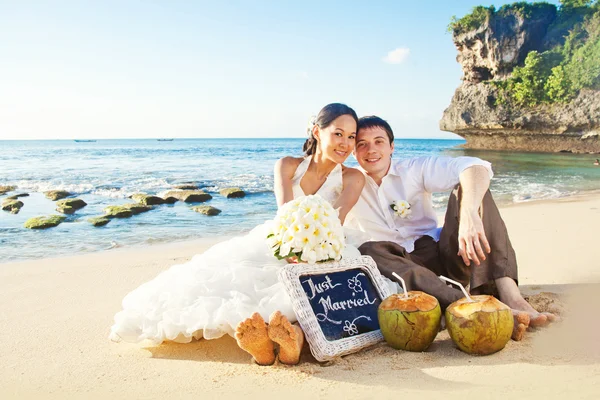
(43, 186)
(545, 194)
(124, 188)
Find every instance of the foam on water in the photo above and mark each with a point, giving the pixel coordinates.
(55, 184)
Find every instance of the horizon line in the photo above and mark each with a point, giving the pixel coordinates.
(203, 138)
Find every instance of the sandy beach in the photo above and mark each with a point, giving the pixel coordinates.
(55, 316)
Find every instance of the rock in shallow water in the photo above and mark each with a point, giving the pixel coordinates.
(125, 210)
(189, 196)
(16, 196)
(147, 200)
(12, 206)
(99, 221)
(44, 222)
(56, 194)
(207, 210)
(187, 186)
(69, 206)
(6, 189)
(232, 192)
(137, 208)
(117, 212)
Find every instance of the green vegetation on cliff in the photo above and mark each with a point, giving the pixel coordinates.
(570, 62)
(480, 15)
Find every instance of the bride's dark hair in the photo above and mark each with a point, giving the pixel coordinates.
(325, 117)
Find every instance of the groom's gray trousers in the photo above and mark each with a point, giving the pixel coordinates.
(420, 268)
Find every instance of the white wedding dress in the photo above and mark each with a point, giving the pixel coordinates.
(216, 290)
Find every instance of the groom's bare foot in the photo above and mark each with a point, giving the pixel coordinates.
(548, 304)
(522, 321)
(536, 319)
(551, 317)
(289, 337)
(252, 336)
(511, 296)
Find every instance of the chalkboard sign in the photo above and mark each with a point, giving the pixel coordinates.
(345, 302)
(336, 304)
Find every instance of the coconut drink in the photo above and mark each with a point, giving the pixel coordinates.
(479, 324)
(409, 321)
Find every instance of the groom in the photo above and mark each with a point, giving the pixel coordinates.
(396, 213)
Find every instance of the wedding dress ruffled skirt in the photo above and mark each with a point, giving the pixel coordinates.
(210, 295)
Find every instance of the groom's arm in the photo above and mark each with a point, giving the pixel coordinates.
(472, 241)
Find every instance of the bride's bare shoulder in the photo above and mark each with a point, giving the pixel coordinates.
(288, 165)
(351, 172)
(353, 175)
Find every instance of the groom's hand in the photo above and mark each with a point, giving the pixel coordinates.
(472, 242)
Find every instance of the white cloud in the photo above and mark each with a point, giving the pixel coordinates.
(397, 56)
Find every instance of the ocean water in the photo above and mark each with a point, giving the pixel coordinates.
(106, 172)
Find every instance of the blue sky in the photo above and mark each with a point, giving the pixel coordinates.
(144, 69)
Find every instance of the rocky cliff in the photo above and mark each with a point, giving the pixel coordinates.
(489, 53)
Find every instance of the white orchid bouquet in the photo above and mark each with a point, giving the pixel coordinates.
(307, 228)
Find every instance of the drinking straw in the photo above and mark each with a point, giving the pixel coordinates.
(403, 283)
(469, 299)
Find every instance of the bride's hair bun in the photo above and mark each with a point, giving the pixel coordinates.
(311, 143)
(311, 124)
(325, 117)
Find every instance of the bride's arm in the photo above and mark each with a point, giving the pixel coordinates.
(284, 172)
(353, 181)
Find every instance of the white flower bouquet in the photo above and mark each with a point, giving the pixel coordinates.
(309, 229)
(401, 208)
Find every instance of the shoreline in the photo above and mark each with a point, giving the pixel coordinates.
(581, 196)
(186, 247)
(201, 244)
(57, 312)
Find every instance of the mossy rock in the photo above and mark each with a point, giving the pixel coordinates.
(117, 212)
(147, 199)
(56, 194)
(16, 196)
(6, 189)
(69, 206)
(66, 210)
(136, 208)
(12, 206)
(187, 186)
(232, 193)
(44, 222)
(207, 210)
(99, 221)
(189, 196)
(170, 200)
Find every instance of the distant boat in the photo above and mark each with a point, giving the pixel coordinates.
(165, 140)
(83, 141)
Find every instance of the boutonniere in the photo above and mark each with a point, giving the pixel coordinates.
(401, 208)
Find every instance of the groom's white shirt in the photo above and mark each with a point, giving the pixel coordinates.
(413, 180)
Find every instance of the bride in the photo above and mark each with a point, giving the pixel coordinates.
(216, 291)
